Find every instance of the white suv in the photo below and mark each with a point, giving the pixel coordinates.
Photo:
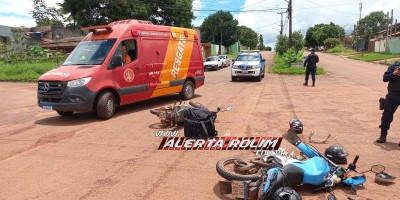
(213, 63)
(248, 65)
(225, 60)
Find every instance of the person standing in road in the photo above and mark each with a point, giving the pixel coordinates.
(311, 67)
(392, 101)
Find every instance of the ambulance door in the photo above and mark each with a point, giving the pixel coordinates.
(130, 77)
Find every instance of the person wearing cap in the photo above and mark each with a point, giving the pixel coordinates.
(392, 101)
(311, 67)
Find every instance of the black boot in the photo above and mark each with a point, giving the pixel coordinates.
(313, 83)
(305, 83)
(382, 138)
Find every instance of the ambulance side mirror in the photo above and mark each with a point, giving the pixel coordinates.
(117, 61)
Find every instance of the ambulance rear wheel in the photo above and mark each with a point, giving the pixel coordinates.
(187, 90)
(105, 105)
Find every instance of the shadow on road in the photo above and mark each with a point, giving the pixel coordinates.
(150, 104)
(75, 119)
(86, 118)
(388, 146)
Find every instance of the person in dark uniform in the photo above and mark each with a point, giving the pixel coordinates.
(392, 75)
(311, 64)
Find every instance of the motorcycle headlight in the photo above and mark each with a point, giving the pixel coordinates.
(79, 82)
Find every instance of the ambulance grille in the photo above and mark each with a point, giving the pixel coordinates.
(51, 87)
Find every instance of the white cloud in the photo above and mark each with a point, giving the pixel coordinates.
(307, 13)
(16, 21)
(16, 13)
(197, 6)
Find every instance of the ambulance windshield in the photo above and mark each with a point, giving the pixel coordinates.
(92, 52)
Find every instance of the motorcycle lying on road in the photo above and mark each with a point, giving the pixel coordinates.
(176, 114)
(272, 177)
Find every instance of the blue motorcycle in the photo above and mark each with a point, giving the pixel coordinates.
(317, 170)
(274, 177)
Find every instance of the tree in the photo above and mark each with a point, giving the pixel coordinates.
(282, 44)
(261, 43)
(44, 15)
(297, 41)
(96, 12)
(372, 23)
(220, 28)
(268, 48)
(316, 35)
(248, 37)
(331, 42)
(19, 40)
(172, 12)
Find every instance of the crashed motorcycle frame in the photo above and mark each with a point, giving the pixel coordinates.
(176, 114)
(317, 170)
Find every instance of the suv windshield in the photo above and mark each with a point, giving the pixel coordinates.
(222, 57)
(212, 59)
(92, 52)
(248, 58)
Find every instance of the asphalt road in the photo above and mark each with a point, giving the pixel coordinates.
(44, 156)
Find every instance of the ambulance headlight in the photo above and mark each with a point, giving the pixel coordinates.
(79, 82)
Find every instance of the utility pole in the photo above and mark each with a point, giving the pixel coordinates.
(220, 44)
(360, 10)
(281, 32)
(391, 25)
(387, 34)
(290, 22)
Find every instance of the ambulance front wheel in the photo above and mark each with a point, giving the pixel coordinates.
(105, 105)
(187, 90)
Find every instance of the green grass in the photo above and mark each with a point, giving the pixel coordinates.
(374, 56)
(280, 67)
(341, 50)
(391, 62)
(233, 55)
(25, 71)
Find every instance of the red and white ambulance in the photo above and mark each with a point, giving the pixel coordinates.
(121, 63)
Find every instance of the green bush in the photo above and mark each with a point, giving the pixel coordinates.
(337, 49)
(280, 66)
(292, 57)
(331, 42)
(24, 71)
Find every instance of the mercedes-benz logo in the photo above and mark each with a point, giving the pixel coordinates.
(46, 87)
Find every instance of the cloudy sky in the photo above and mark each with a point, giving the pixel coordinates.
(260, 15)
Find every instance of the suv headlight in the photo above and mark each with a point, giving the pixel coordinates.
(255, 66)
(234, 67)
(79, 82)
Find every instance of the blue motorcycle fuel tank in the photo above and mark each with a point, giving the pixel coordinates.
(315, 170)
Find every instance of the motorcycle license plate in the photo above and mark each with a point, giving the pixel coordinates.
(240, 189)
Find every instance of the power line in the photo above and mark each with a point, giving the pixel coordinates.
(254, 4)
(330, 8)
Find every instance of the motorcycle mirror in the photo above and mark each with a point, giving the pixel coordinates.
(377, 168)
